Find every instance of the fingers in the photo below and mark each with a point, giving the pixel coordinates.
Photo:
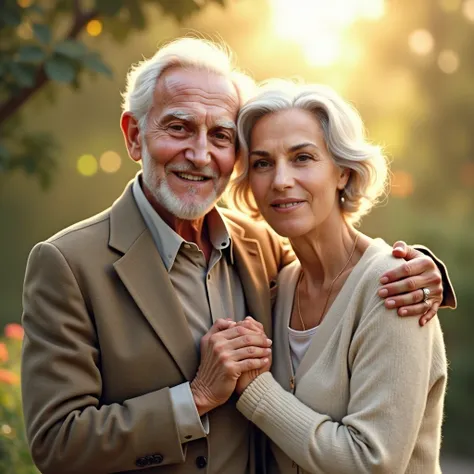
(414, 275)
(251, 323)
(430, 314)
(252, 352)
(251, 364)
(399, 249)
(416, 309)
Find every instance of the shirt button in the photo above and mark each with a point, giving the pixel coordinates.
(208, 277)
(201, 462)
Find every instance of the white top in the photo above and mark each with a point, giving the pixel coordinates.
(299, 343)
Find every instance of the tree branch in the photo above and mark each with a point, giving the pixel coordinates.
(11, 105)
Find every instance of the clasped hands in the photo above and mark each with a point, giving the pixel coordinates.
(233, 354)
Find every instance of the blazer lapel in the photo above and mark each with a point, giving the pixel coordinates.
(251, 269)
(145, 277)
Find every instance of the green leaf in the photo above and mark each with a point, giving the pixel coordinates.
(94, 62)
(60, 69)
(71, 49)
(31, 54)
(109, 7)
(42, 33)
(24, 74)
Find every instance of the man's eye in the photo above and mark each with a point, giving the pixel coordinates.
(177, 127)
(222, 136)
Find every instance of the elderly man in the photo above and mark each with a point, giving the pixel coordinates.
(116, 307)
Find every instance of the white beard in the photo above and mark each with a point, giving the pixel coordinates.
(182, 209)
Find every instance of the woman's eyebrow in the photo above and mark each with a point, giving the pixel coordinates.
(299, 146)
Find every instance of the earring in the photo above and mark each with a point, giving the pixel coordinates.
(342, 198)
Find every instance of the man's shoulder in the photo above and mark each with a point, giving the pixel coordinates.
(84, 233)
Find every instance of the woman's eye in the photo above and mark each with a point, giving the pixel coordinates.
(303, 158)
(260, 164)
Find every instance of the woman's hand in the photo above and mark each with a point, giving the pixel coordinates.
(248, 377)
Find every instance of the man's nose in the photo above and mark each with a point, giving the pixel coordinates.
(199, 153)
(282, 179)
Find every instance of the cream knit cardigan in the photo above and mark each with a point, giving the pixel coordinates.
(369, 391)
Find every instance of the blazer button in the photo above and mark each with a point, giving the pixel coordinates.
(201, 462)
(157, 458)
(141, 462)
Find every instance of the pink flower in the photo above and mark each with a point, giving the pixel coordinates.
(8, 377)
(14, 331)
(3, 352)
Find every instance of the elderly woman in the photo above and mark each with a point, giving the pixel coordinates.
(353, 388)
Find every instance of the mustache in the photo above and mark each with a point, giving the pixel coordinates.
(207, 171)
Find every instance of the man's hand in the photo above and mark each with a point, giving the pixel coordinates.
(248, 377)
(227, 351)
(403, 286)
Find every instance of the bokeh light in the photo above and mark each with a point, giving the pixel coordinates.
(421, 42)
(467, 174)
(450, 5)
(94, 28)
(318, 26)
(87, 165)
(110, 161)
(468, 10)
(448, 61)
(402, 184)
(24, 3)
(25, 31)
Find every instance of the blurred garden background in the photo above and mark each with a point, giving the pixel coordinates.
(408, 66)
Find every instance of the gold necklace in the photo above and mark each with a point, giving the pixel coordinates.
(330, 286)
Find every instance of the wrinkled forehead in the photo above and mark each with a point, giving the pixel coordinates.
(197, 92)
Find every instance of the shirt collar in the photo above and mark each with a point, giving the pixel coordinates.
(167, 241)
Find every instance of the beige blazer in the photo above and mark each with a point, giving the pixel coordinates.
(105, 338)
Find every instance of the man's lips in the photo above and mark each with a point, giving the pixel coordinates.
(191, 176)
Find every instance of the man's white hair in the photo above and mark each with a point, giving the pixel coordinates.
(187, 53)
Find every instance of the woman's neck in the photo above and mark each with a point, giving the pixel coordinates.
(325, 251)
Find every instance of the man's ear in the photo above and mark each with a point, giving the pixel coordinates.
(132, 136)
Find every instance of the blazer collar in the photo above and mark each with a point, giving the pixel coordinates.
(253, 275)
(142, 272)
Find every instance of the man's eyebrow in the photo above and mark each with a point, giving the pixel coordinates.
(180, 115)
(229, 124)
(261, 153)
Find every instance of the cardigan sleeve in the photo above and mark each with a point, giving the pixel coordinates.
(394, 366)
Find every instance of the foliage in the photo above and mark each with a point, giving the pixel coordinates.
(54, 56)
(14, 454)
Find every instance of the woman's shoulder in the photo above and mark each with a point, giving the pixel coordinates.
(377, 260)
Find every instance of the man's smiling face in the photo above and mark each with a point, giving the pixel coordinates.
(188, 151)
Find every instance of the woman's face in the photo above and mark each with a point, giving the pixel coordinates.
(292, 176)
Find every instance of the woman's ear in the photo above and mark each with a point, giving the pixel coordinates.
(344, 176)
(132, 136)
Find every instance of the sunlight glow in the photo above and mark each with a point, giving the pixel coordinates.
(449, 5)
(468, 9)
(318, 25)
(24, 3)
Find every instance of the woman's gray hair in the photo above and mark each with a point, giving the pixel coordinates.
(187, 53)
(344, 135)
